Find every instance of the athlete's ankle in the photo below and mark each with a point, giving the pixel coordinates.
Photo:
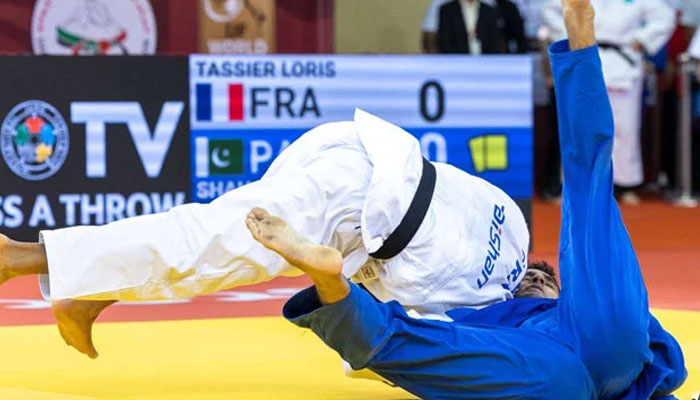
(332, 290)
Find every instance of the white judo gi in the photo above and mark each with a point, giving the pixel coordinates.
(346, 185)
(694, 48)
(620, 23)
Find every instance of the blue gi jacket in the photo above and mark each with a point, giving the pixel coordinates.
(664, 374)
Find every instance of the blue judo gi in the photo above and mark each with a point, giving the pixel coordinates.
(597, 341)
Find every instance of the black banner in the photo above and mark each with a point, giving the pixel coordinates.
(91, 140)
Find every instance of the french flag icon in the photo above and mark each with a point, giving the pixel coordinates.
(205, 99)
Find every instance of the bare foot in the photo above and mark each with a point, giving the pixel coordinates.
(74, 319)
(18, 258)
(274, 233)
(5, 273)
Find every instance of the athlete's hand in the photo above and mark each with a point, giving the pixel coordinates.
(638, 46)
(579, 8)
(576, 4)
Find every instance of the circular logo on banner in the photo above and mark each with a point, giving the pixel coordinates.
(34, 140)
(93, 27)
(223, 11)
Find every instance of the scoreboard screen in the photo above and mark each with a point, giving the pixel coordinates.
(475, 113)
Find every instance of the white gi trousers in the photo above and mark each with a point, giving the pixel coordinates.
(345, 185)
(627, 150)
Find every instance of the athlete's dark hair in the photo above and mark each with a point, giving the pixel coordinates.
(544, 267)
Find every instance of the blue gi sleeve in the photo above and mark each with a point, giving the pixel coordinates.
(438, 359)
(355, 326)
(603, 308)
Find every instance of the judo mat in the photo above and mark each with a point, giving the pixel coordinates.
(234, 345)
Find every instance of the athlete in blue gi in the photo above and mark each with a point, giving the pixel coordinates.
(597, 341)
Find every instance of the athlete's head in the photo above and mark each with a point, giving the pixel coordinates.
(540, 281)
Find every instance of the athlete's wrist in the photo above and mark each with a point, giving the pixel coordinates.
(579, 18)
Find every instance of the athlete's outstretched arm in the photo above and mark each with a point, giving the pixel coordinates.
(603, 307)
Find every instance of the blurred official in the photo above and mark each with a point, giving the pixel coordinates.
(471, 27)
(694, 50)
(625, 30)
(429, 27)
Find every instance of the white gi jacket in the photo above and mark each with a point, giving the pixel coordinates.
(621, 23)
(690, 13)
(694, 48)
(344, 184)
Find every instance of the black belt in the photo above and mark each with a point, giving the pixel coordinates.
(619, 50)
(402, 235)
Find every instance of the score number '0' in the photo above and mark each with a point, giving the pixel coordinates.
(432, 90)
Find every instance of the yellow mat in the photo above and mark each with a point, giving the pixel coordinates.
(244, 358)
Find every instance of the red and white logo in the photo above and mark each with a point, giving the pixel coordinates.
(93, 27)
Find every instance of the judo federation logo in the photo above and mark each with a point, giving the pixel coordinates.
(93, 27)
(218, 157)
(34, 140)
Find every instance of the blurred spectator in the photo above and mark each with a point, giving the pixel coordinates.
(694, 50)
(478, 27)
(513, 27)
(675, 4)
(531, 12)
(469, 26)
(669, 97)
(625, 31)
(691, 19)
(691, 13)
(551, 191)
(429, 29)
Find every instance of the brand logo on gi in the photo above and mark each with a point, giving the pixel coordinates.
(34, 140)
(494, 251)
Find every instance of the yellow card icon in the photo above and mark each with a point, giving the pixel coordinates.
(489, 152)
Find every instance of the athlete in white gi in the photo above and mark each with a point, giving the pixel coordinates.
(347, 185)
(694, 50)
(625, 30)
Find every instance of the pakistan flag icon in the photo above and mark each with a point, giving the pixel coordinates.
(218, 157)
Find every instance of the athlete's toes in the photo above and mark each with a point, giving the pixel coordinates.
(259, 213)
(82, 344)
(253, 227)
(91, 351)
